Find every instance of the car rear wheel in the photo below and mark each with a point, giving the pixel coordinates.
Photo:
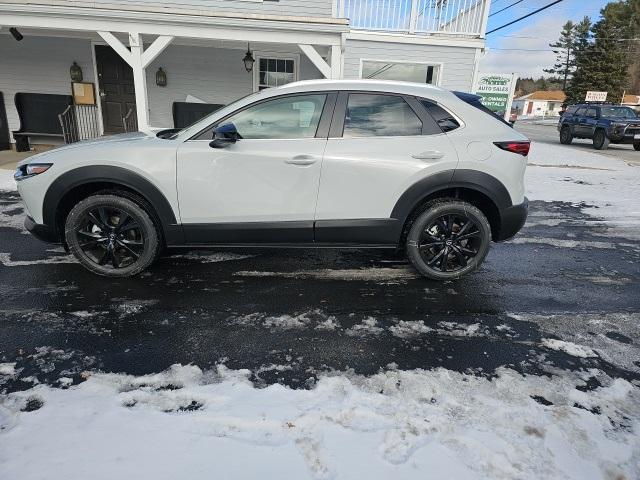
(600, 140)
(448, 240)
(565, 136)
(112, 235)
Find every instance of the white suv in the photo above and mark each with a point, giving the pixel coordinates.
(344, 164)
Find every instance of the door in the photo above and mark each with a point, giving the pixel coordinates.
(379, 146)
(579, 122)
(529, 108)
(589, 122)
(117, 92)
(264, 187)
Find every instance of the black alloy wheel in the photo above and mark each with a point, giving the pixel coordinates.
(450, 242)
(112, 235)
(449, 239)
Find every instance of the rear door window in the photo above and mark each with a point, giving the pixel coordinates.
(374, 115)
(445, 120)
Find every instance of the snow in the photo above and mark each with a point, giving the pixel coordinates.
(568, 347)
(189, 423)
(6, 180)
(606, 185)
(8, 369)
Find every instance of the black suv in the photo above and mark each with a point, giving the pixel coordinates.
(604, 124)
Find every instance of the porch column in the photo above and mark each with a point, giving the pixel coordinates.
(139, 58)
(336, 62)
(139, 80)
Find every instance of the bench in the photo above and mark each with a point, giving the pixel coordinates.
(38, 113)
(5, 144)
(186, 113)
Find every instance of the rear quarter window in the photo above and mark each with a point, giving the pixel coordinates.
(445, 120)
(474, 101)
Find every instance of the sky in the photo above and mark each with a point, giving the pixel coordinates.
(523, 48)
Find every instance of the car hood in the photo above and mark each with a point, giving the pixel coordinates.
(623, 119)
(132, 138)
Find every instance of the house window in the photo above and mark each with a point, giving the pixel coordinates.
(273, 72)
(407, 72)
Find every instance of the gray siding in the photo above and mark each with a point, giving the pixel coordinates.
(214, 75)
(457, 70)
(39, 65)
(298, 8)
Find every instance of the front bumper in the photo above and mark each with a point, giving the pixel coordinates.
(512, 219)
(41, 232)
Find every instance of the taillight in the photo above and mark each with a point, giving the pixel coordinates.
(521, 148)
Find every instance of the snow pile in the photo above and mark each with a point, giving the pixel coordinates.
(185, 423)
(568, 347)
(607, 186)
(6, 180)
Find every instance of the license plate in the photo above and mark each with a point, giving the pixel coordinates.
(636, 136)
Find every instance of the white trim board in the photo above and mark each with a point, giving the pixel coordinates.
(448, 41)
(439, 73)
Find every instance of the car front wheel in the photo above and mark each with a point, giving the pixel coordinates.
(600, 140)
(636, 146)
(448, 240)
(565, 136)
(112, 235)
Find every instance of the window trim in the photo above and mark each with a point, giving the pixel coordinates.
(323, 124)
(274, 56)
(340, 113)
(438, 75)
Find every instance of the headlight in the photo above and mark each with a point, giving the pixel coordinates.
(30, 170)
(618, 126)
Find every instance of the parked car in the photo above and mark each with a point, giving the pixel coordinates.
(604, 124)
(344, 164)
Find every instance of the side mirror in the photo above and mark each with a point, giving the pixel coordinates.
(224, 135)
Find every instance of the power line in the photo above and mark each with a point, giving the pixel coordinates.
(523, 17)
(505, 8)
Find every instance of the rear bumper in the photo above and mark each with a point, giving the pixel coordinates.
(512, 219)
(41, 232)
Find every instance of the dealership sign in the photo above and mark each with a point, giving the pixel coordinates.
(496, 90)
(596, 97)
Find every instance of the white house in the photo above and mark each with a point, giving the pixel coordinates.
(146, 58)
(540, 103)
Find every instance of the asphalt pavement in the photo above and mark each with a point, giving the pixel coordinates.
(545, 131)
(288, 315)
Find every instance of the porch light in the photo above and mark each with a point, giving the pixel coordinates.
(161, 78)
(76, 72)
(248, 60)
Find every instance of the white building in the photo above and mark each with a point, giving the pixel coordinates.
(540, 103)
(120, 45)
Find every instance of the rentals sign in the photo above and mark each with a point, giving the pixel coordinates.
(596, 97)
(496, 90)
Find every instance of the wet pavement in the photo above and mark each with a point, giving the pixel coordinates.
(287, 315)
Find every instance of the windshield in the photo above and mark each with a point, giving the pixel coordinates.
(617, 112)
(172, 133)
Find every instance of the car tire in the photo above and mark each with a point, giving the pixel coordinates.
(112, 235)
(636, 146)
(566, 137)
(600, 140)
(449, 239)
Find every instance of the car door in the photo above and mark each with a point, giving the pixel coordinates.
(580, 119)
(379, 145)
(590, 121)
(262, 188)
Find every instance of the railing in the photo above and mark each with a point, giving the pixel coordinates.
(458, 17)
(130, 121)
(79, 122)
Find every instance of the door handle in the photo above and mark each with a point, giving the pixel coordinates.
(302, 160)
(428, 155)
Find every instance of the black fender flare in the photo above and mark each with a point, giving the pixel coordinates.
(481, 182)
(115, 175)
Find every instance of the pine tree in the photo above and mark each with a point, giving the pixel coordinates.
(564, 50)
(580, 81)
